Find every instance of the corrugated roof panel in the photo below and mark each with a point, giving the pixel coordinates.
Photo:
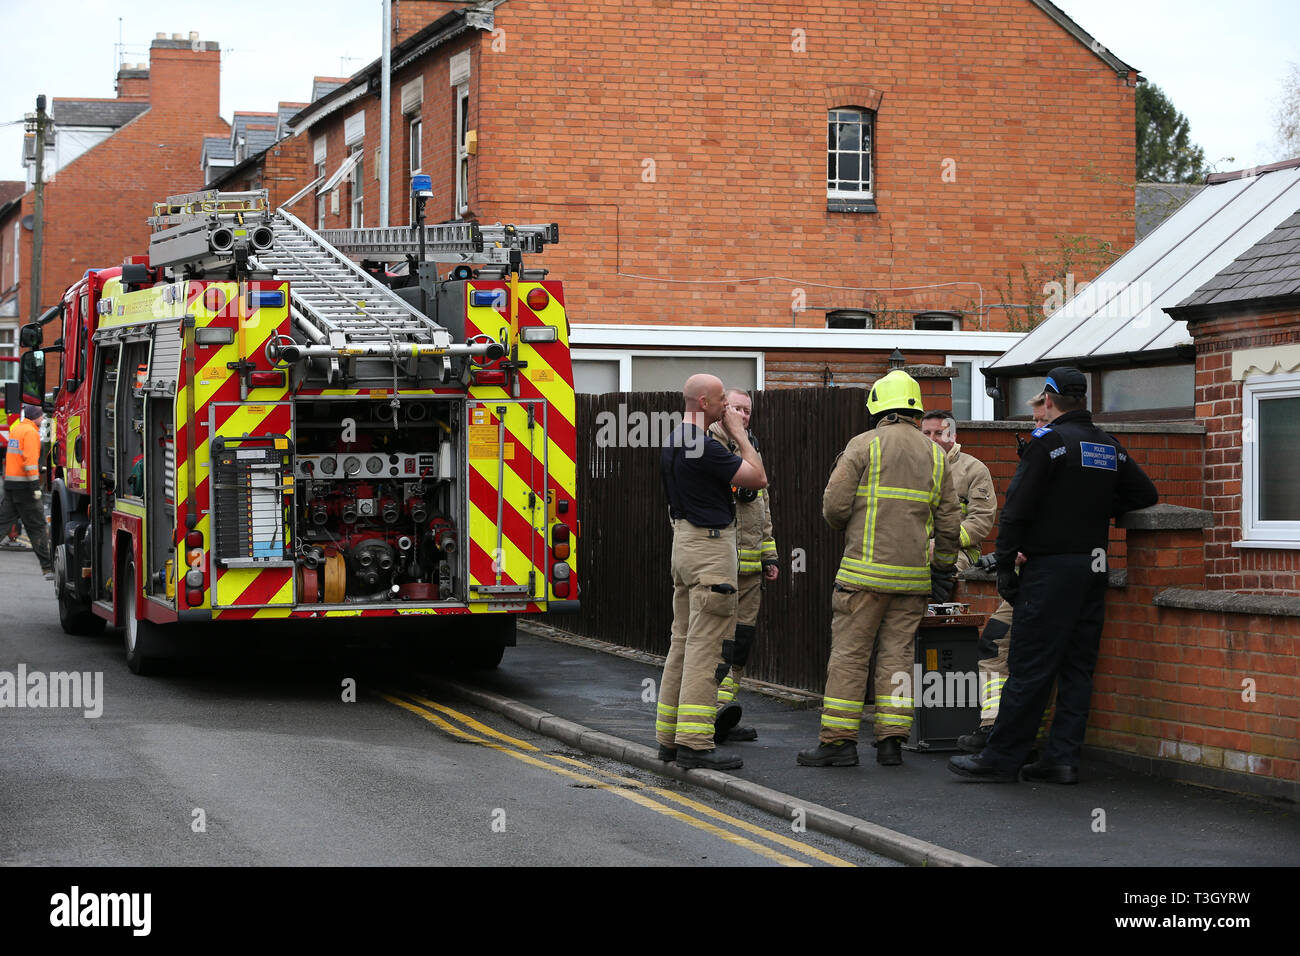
(1122, 311)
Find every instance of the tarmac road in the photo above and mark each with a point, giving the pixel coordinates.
(258, 760)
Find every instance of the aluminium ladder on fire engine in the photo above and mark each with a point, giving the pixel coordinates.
(458, 242)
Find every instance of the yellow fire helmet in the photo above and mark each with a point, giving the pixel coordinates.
(895, 391)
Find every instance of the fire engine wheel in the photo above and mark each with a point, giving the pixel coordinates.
(75, 617)
(487, 643)
(139, 636)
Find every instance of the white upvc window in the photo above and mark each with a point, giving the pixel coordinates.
(1270, 461)
(358, 192)
(652, 370)
(320, 197)
(8, 349)
(850, 132)
(415, 155)
(17, 250)
(462, 148)
(970, 402)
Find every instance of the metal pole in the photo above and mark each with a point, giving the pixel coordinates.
(385, 102)
(38, 210)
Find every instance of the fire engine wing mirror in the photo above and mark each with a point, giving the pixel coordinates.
(30, 336)
(31, 375)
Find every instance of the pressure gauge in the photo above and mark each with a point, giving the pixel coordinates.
(375, 465)
(329, 465)
(351, 465)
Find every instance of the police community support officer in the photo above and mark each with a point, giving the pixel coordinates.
(757, 552)
(698, 474)
(1072, 479)
(890, 489)
(22, 497)
(995, 644)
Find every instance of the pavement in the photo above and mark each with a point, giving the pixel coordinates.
(600, 698)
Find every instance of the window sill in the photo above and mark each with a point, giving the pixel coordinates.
(1270, 544)
(851, 205)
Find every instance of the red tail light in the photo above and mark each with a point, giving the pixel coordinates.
(489, 377)
(266, 380)
(194, 596)
(560, 542)
(538, 299)
(560, 578)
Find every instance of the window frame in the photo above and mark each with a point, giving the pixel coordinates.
(9, 349)
(320, 197)
(624, 358)
(850, 200)
(414, 157)
(981, 405)
(1256, 533)
(460, 137)
(357, 195)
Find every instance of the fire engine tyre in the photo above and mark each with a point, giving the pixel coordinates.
(487, 645)
(139, 636)
(74, 617)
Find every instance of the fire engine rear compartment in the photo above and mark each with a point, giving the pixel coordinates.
(377, 504)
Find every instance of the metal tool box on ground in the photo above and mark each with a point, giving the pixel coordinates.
(945, 681)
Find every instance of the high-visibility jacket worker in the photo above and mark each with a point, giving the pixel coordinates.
(890, 492)
(972, 482)
(22, 489)
(698, 474)
(756, 550)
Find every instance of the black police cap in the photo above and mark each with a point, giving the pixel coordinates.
(1064, 380)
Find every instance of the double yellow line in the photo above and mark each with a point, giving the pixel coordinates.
(440, 716)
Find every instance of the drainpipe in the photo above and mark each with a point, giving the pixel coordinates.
(385, 101)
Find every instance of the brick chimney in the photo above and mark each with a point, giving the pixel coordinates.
(133, 82)
(185, 75)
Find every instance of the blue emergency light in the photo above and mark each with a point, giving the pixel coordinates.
(266, 299)
(422, 185)
(488, 298)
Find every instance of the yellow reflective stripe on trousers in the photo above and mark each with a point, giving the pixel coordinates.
(695, 728)
(846, 722)
(898, 720)
(696, 710)
(839, 704)
(893, 702)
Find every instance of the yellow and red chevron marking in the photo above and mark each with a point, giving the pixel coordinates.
(303, 613)
(216, 387)
(547, 380)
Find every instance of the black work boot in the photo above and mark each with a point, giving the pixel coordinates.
(689, 759)
(667, 754)
(840, 753)
(975, 767)
(889, 752)
(726, 718)
(741, 733)
(1045, 772)
(974, 743)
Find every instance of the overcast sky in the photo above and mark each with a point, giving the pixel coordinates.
(1221, 63)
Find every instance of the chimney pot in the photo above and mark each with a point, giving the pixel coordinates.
(194, 35)
(177, 36)
(160, 36)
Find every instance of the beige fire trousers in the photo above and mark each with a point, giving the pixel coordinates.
(704, 566)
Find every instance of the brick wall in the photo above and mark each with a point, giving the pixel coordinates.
(1218, 405)
(437, 144)
(1212, 689)
(96, 207)
(734, 120)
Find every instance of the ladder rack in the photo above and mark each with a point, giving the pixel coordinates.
(446, 242)
(333, 300)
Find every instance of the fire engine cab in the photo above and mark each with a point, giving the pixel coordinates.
(249, 426)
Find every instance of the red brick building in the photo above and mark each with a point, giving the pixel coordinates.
(739, 165)
(97, 201)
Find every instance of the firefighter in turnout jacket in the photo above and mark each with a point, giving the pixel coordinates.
(757, 552)
(890, 492)
(698, 475)
(22, 484)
